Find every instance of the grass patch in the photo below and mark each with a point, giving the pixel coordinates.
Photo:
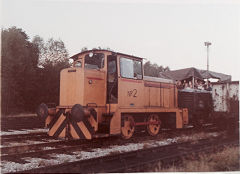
(226, 160)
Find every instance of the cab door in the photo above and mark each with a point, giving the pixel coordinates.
(94, 79)
(131, 86)
(112, 80)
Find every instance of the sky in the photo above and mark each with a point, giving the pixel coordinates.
(167, 32)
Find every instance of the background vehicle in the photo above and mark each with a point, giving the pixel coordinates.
(218, 104)
(199, 104)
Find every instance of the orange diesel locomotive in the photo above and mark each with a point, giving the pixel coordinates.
(106, 93)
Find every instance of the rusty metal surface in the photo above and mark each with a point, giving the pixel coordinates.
(225, 97)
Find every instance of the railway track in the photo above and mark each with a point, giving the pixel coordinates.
(40, 141)
(122, 162)
(24, 137)
(17, 153)
(45, 150)
(21, 122)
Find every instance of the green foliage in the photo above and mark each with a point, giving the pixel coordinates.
(19, 65)
(153, 69)
(52, 51)
(30, 70)
(52, 59)
(49, 81)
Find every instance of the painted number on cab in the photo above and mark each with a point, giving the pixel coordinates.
(132, 93)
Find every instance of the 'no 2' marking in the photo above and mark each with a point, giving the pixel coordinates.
(132, 93)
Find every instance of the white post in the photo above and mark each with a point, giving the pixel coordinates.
(207, 44)
(193, 80)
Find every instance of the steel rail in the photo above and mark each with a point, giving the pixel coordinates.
(22, 137)
(69, 146)
(23, 148)
(15, 152)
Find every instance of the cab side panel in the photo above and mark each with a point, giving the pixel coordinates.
(131, 93)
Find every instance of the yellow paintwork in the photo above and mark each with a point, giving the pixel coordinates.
(94, 92)
(71, 86)
(79, 85)
(57, 124)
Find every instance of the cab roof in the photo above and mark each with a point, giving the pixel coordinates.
(75, 57)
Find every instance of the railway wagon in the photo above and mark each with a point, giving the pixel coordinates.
(199, 104)
(220, 106)
(106, 93)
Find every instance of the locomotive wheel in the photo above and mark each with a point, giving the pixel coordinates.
(154, 128)
(128, 127)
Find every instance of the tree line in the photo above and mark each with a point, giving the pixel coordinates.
(30, 70)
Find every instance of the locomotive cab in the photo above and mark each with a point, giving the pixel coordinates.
(84, 83)
(106, 93)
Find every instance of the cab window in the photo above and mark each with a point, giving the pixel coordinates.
(130, 68)
(94, 61)
(78, 63)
